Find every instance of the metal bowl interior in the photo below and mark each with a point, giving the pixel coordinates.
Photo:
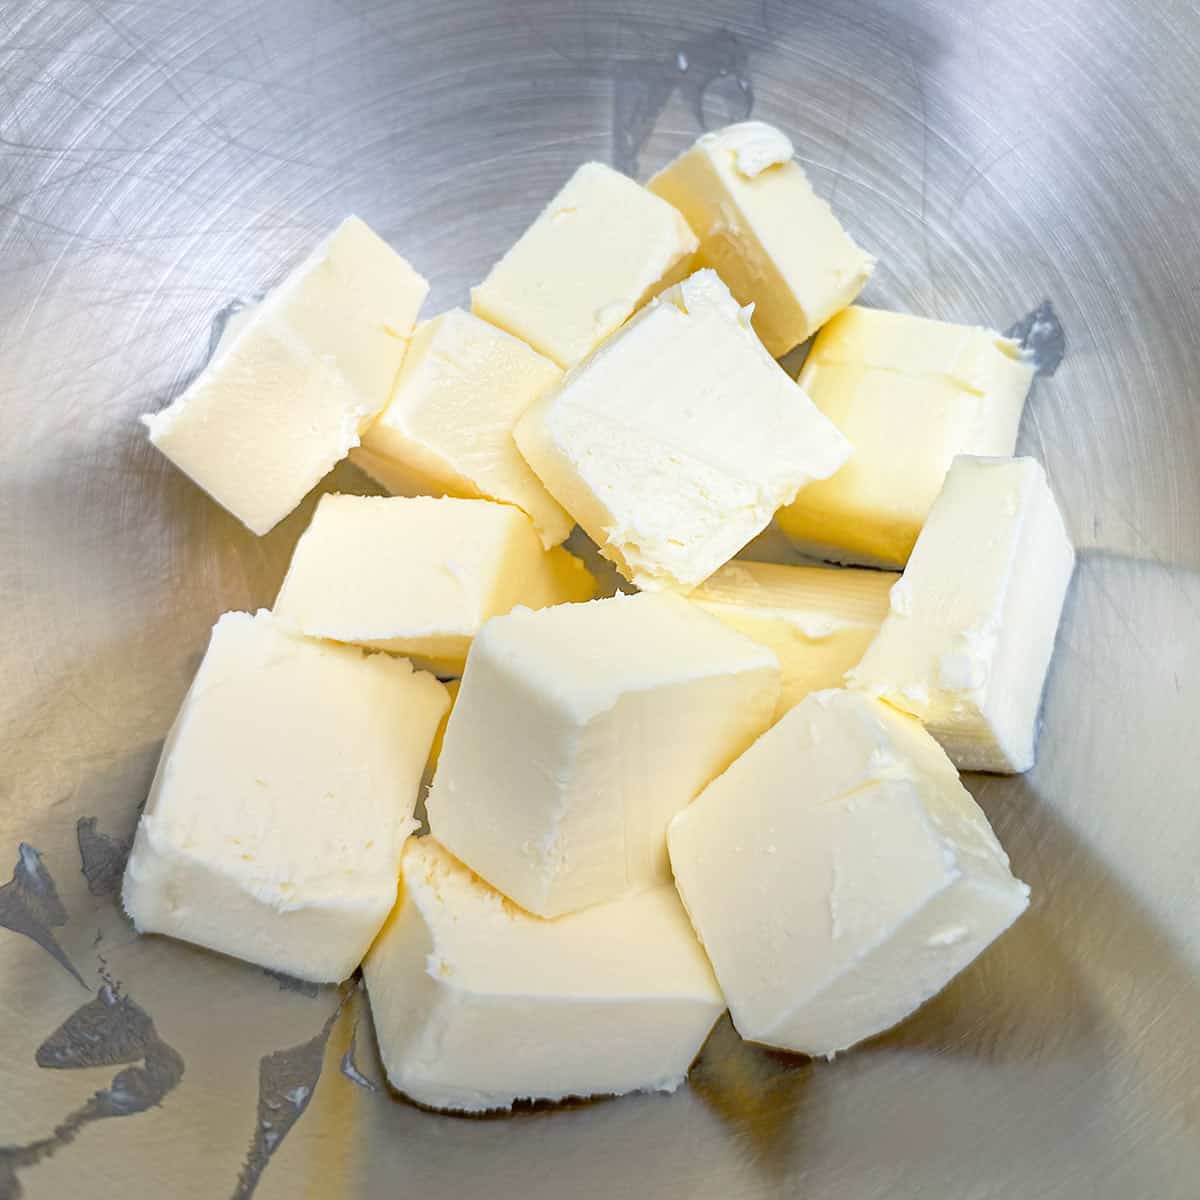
(159, 161)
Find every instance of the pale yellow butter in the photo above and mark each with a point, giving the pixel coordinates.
(839, 875)
(818, 620)
(909, 394)
(435, 751)
(597, 252)
(761, 226)
(674, 444)
(478, 1004)
(296, 379)
(282, 800)
(448, 429)
(419, 576)
(970, 633)
(579, 731)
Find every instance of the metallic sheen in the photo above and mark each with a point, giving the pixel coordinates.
(160, 160)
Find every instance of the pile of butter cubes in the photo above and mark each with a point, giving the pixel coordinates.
(736, 788)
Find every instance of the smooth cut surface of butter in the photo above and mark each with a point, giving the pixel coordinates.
(601, 248)
(283, 799)
(818, 620)
(675, 443)
(969, 637)
(296, 379)
(579, 731)
(478, 1004)
(419, 576)
(448, 429)
(761, 226)
(839, 875)
(909, 394)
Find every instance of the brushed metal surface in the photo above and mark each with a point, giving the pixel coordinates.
(159, 160)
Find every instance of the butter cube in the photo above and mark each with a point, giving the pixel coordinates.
(420, 576)
(283, 799)
(435, 751)
(839, 875)
(598, 251)
(910, 394)
(448, 429)
(761, 226)
(674, 444)
(818, 620)
(969, 637)
(296, 380)
(477, 1004)
(580, 731)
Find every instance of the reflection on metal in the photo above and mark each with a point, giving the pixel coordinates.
(289, 983)
(223, 318)
(107, 1030)
(102, 857)
(710, 72)
(29, 904)
(350, 1067)
(1041, 335)
(286, 1081)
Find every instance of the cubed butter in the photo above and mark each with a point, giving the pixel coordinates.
(420, 576)
(674, 444)
(970, 633)
(282, 801)
(448, 429)
(597, 252)
(297, 378)
(818, 620)
(580, 731)
(909, 394)
(478, 1004)
(435, 751)
(761, 226)
(839, 875)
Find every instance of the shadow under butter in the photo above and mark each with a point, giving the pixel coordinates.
(756, 1092)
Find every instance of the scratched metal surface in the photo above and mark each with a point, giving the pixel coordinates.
(158, 160)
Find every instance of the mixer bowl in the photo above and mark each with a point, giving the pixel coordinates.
(160, 161)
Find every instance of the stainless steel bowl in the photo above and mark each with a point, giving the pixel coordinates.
(160, 160)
